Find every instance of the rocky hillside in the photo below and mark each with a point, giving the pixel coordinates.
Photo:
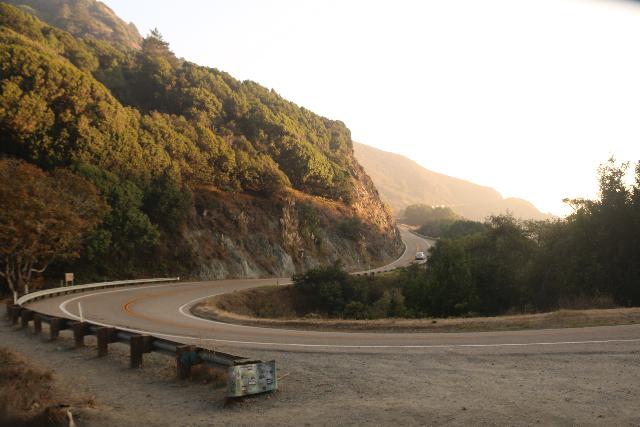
(403, 182)
(205, 175)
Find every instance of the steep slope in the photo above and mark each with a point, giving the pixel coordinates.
(205, 175)
(402, 182)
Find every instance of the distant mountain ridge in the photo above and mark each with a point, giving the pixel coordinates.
(402, 182)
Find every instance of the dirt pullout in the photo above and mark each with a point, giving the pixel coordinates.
(586, 385)
(281, 306)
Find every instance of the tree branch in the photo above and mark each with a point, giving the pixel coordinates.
(41, 270)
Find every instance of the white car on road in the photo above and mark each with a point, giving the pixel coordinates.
(420, 256)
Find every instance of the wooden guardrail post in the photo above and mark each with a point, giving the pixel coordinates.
(9, 304)
(25, 317)
(15, 313)
(37, 323)
(185, 358)
(54, 328)
(79, 331)
(135, 346)
(139, 345)
(105, 336)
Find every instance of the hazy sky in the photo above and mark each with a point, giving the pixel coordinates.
(526, 96)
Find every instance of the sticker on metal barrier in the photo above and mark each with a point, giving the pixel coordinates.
(252, 378)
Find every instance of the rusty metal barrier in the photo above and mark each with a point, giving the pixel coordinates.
(185, 355)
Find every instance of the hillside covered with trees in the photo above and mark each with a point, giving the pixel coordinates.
(203, 175)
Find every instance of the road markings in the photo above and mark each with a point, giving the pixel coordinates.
(190, 338)
(184, 312)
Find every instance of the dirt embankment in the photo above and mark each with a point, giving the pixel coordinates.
(283, 307)
(30, 396)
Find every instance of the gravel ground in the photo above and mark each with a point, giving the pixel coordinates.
(595, 384)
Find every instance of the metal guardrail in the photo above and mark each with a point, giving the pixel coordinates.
(33, 296)
(392, 266)
(384, 268)
(424, 236)
(185, 355)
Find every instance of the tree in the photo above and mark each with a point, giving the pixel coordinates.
(126, 232)
(324, 287)
(420, 214)
(44, 217)
(168, 201)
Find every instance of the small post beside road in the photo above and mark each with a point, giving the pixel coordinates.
(185, 358)
(37, 323)
(105, 336)
(9, 304)
(79, 331)
(139, 345)
(68, 279)
(25, 317)
(54, 328)
(15, 313)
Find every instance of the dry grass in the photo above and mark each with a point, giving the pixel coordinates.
(27, 394)
(205, 374)
(588, 302)
(279, 307)
(278, 302)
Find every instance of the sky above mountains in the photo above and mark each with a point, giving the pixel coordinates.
(525, 96)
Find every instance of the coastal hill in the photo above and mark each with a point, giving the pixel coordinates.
(402, 182)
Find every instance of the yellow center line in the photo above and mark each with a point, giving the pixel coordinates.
(128, 309)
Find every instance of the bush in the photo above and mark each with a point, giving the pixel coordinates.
(356, 310)
(420, 214)
(351, 228)
(324, 288)
(168, 201)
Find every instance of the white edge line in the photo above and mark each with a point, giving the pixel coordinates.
(182, 311)
(63, 305)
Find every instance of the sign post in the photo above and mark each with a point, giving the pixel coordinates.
(68, 279)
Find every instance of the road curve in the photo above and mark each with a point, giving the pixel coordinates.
(164, 310)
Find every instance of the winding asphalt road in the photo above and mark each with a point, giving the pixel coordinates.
(164, 310)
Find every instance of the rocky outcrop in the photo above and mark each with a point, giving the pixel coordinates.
(245, 236)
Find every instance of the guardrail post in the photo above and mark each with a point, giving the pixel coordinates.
(54, 328)
(140, 344)
(15, 313)
(185, 357)
(105, 336)
(37, 323)
(9, 304)
(137, 349)
(79, 331)
(25, 317)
